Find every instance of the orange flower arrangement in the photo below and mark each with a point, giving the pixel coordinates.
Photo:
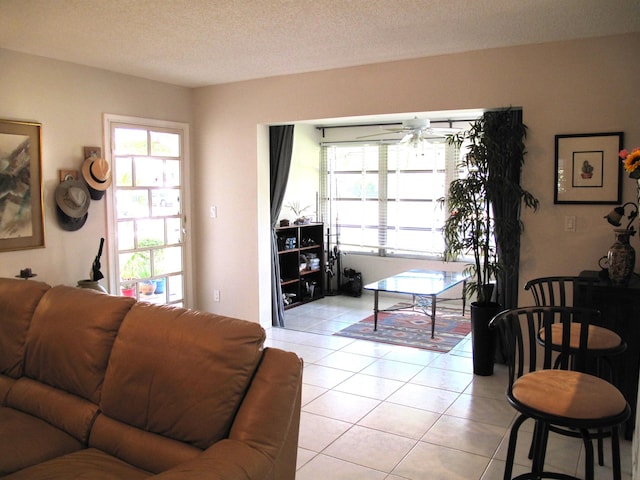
(631, 161)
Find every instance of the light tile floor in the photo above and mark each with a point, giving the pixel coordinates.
(376, 411)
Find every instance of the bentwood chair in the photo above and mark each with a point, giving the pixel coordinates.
(557, 397)
(603, 343)
(560, 291)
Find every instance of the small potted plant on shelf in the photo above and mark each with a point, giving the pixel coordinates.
(494, 145)
(298, 213)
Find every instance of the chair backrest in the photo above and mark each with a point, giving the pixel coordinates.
(560, 291)
(522, 329)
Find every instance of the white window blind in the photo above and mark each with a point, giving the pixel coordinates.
(383, 198)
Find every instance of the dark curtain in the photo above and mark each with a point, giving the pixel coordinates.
(507, 203)
(280, 147)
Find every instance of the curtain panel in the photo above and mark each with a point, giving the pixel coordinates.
(280, 148)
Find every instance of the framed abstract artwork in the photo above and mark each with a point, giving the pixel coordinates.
(21, 206)
(588, 169)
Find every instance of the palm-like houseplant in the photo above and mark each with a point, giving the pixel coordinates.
(484, 221)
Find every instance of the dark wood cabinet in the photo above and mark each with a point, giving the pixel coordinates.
(620, 311)
(301, 256)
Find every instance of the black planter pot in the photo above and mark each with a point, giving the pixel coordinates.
(483, 339)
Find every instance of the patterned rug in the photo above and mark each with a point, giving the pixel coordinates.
(413, 329)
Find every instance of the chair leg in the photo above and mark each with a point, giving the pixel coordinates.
(588, 454)
(600, 447)
(511, 451)
(615, 453)
(541, 437)
(532, 447)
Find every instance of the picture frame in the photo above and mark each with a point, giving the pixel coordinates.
(588, 169)
(21, 202)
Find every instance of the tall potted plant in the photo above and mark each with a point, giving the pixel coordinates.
(494, 147)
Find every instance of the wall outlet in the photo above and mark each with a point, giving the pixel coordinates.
(213, 211)
(216, 295)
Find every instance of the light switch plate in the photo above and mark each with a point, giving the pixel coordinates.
(570, 223)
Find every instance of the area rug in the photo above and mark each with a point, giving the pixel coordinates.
(413, 329)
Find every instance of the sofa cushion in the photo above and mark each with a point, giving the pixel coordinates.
(26, 440)
(70, 339)
(5, 385)
(68, 412)
(145, 450)
(18, 301)
(180, 373)
(84, 464)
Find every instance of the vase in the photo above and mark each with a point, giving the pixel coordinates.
(91, 284)
(621, 258)
(483, 339)
(147, 287)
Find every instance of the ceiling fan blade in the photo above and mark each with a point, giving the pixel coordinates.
(386, 131)
(409, 137)
(445, 130)
(372, 135)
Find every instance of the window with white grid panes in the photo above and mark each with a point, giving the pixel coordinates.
(383, 198)
(148, 212)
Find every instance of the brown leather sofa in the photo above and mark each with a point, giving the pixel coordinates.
(102, 387)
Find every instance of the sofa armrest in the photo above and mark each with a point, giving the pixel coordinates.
(269, 416)
(226, 459)
(263, 441)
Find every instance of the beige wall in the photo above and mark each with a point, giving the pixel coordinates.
(570, 87)
(69, 101)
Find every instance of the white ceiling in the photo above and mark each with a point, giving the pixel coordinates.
(204, 42)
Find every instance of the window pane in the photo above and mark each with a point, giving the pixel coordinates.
(135, 265)
(349, 212)
(431, 157)
(150, 233)
(132, 203)
(366, 237)
(175, 288)
(174, 230)
(416, 185)
(172, 173)
(149, 172)
(126, 235)
(415, 214)
(168, 260)
(354, 158)
(370, 213)
(165, 202)
(414, 241)
(124, 172)
(165, 144)
(130, 141)
(348, 186)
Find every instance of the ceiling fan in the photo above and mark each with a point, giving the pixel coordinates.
(416, 130)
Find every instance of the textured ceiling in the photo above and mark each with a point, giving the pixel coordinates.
(204, 42)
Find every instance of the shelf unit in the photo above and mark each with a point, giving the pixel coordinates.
(301, 256)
